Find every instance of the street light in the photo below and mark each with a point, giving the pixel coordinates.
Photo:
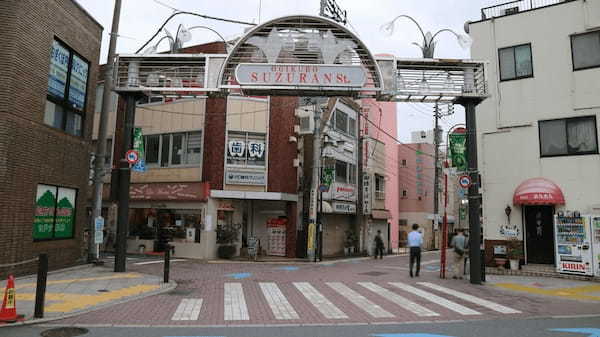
(183, 35)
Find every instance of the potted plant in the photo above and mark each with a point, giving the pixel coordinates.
(227, 236)
(514, 254)
(350, 242)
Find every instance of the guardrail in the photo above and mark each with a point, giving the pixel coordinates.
(517, 6)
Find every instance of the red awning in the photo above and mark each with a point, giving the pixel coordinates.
(538, 191)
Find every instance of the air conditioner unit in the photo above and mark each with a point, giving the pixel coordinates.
(423, 134)
(306, 121)
(296, 162)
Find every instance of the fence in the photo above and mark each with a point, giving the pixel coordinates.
(517, 6)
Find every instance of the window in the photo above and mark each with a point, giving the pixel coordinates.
(344, 123)
(404, 162)
(571, 136)
(402, 222)
(379, 187)
(67, 90)
(404, 193)
(54, 216)
(585, 50)
(341, 173)
(174, 149)
(352, 174)
(109, 153)
(246, 149)
(515, 62)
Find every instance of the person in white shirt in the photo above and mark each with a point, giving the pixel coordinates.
(415, 241)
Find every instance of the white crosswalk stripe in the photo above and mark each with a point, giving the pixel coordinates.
(436, 299)
(235, 308)
(328, 309)
(188, 310)
(470, 298)
(399, 300)
(282, 309)
(359, 300)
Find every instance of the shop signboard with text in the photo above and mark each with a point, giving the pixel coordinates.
(341, 191)
(344, 207)
(321, 75)
(54, 212)
(235, 177)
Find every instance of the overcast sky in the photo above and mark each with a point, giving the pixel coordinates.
(141, 18)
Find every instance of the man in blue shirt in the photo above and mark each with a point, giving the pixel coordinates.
(415, 241)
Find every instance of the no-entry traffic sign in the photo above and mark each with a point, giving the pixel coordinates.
(464, 181)
(132, 156)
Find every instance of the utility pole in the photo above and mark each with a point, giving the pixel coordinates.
(313, 210)
(436, 187)
(93, 248)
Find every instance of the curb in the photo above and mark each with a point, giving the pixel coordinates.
(507, 272)
(163, 289)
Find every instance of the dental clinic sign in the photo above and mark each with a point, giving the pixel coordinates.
(313, 75)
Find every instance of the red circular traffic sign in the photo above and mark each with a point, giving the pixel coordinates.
(132, 156)
(464, 181)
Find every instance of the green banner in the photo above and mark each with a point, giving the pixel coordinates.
(458, 150)
(327, 177)
(138, 145)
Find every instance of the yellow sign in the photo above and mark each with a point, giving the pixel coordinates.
(312, 229)
(10, 298)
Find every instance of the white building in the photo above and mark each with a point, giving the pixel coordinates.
(541, 118)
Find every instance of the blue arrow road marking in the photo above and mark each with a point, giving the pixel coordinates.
(409, 335)
(591, 332)
(289, 268)
(239, 276)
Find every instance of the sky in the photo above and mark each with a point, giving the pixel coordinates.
(140, 19)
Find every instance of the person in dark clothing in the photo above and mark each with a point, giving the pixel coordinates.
(379, 245)
(415, 241)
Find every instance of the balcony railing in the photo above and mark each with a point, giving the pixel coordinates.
(517, 6)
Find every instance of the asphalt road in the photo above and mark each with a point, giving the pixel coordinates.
(583, 326)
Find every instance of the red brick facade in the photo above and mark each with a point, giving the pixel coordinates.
(282, 173)
(214, 142)
(31, 152)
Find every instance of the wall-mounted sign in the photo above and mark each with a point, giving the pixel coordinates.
(313, 75)
(78, 82)
(245, 178)
(342, 207)
(510, 231)
(366, 193)
(458, 153)
(341, 191)
(59, 67)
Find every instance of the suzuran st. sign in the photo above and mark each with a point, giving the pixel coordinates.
(327, 75)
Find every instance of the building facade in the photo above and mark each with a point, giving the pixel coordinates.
(537, 134)
(48, 64)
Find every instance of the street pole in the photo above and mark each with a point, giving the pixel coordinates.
(436, 187)
(474, 199)
(315, 177)
(93, 252)
(124, 180)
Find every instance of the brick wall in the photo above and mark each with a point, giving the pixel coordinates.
(282, 173)
(32, 152)
(214, 142)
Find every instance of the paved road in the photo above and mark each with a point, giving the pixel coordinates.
(363, 291)
(487, 328)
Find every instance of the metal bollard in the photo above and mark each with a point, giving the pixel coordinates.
(40, 290)
(167, 264)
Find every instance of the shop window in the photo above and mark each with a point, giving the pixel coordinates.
(379, 187)
(246, 149)
(515, 62)
(176, 149)
(570, 136)
(54, 216)
(67, 90)
(585, 50)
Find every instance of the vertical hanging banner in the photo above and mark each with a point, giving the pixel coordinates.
(458, 147)
(138, 145)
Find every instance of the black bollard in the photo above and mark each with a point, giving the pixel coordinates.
(167, 263)
(40, 290)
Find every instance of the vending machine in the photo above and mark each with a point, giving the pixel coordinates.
(573, 240)
(596, 243)
(277, 235)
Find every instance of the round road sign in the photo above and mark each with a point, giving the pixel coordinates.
(132, 156)
(464, 181)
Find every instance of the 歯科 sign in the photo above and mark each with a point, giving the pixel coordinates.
(313, 75)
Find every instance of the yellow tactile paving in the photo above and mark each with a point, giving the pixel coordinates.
(128, 275)
(71, 302)
(575, 293)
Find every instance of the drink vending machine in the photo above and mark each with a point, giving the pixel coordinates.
(596, 243)
(573, 240)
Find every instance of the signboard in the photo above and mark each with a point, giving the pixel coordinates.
(54, 212)
(576, 267)
(327, 177)
(347, 208)
(65, 213)
(341, 191)
(510, 231)
(313, 75)
(458, 152)
(243, 150)
(245, 178)
(464, 181)
(98, 230)
(59, 68)
(138, 145)
(132, 156)
(169, 191)
(78, 82)
(312, 229)
(366, 193)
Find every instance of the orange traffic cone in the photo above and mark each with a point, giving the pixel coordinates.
(8, 313)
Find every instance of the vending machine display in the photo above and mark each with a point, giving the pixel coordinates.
(596, 243)
(277, 236)
(573, 245)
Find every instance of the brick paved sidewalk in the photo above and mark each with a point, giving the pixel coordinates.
(82, 289)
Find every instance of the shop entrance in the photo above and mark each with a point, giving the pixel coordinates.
(539, 231)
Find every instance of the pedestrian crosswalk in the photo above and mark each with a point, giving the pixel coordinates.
(337, 301)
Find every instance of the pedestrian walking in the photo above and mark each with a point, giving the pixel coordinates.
(415, 241)
(459, 243)
(379, 247)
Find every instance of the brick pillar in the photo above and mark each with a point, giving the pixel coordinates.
(214, 142)
(290, 238)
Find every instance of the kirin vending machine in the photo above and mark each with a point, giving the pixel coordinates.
(573, 239)
(596, 243)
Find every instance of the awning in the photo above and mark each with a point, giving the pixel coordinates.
(538, 191)
(381, 214)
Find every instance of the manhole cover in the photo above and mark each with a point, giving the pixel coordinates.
(64, 332)
(180, 292)
(373, 273)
